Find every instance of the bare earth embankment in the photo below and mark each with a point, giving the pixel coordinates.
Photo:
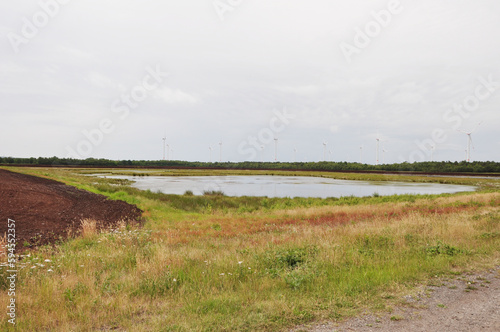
(46, 210)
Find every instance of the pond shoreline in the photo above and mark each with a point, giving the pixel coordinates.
(284, 186)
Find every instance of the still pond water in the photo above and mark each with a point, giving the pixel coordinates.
(285, 186)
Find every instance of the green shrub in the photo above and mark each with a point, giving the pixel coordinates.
(443, 249)
(276, 261)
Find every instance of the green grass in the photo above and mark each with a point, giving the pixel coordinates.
(213, 262)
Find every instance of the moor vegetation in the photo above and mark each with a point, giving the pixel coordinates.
(215, 263)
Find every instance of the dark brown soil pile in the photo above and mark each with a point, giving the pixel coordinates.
(45, 210)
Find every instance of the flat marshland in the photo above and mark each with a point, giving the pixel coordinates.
(212, 262)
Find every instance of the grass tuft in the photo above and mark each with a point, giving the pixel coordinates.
(3, 247)
(89, 228)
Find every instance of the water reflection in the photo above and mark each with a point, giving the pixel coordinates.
(286, 186)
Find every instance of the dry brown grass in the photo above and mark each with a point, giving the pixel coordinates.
(89, 227)
(3, 246)
(84, 295)
(482, 198)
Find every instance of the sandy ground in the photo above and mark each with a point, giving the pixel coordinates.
(469, 302)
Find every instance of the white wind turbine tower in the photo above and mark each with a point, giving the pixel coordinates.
(168, 151)
(361, 154)
(210, 148)
(220, 151)
(324, 150)
(164, 142)
(294, 155)
(275, 149)
(262, 153)
(378, 149)
(383, 155)
(432, 152)
(469, 142)
(330, 152)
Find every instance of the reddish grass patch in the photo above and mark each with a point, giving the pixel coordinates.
(340, 218)
(232, 227)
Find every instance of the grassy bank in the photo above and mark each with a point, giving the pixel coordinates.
(481, 182)
(212, 263)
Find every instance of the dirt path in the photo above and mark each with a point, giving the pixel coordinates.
(44, 210)
(465, 303)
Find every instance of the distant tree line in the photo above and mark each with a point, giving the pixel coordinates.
(426, 167)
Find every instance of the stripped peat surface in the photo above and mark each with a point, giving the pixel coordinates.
(46, 211)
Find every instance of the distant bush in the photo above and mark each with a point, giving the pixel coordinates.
(213, 193)
(188, 193)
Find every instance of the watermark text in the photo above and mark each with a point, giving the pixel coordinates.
(12, 271)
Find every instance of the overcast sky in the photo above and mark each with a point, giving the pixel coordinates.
(245, 72)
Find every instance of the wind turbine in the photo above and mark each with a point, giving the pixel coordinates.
(469, 141)
(262, 153)
(331, 154)
(164, 142)
(432, 152)
(220, 151)
(383, 155)
(168, 151)
(275, 149)
(210, 148)
(294, 155)
(378, 148)
(324, 150)
(361, 154)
